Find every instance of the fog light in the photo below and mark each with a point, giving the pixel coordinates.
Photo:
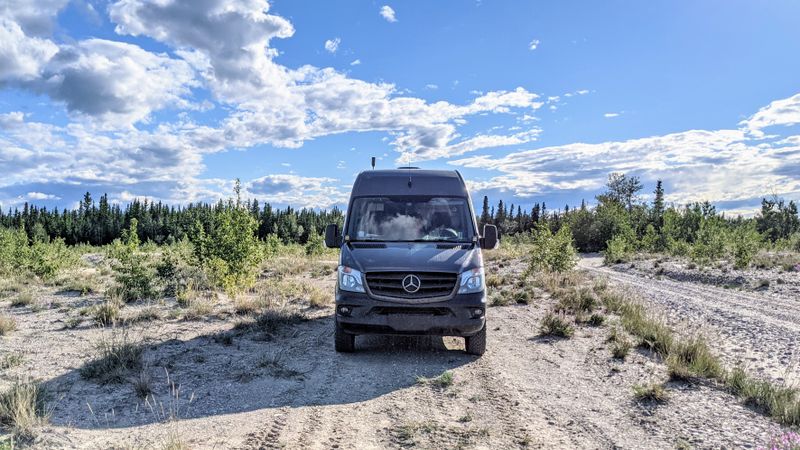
(344, 310)
(477, 312)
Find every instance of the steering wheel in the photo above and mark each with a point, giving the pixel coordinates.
(446, 233)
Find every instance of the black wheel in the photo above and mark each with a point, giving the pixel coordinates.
(476, 344)
(344, 342)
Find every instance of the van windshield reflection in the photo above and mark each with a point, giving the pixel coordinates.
(410, 219)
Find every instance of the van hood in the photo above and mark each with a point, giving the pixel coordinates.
(411, 256)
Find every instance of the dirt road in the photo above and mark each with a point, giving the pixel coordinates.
(755, 328)
(291, 390)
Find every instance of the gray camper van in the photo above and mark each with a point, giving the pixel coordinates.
(410, 261)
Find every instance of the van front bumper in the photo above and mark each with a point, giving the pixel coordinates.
(462, 315)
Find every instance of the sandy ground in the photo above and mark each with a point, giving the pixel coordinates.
(289, 389)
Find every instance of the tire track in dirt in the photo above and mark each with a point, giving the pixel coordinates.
(759, 330)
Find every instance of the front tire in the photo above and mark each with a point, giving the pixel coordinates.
(476, 344)
(344, 343)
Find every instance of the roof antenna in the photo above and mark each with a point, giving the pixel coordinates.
(408, 157)
(373, 163)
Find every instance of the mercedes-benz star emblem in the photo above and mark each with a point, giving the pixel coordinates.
(411, 283)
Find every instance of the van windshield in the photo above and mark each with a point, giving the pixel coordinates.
(410, 219)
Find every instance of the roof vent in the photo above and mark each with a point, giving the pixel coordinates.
(407, 168)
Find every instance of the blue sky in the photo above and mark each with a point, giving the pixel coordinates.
(532, 101)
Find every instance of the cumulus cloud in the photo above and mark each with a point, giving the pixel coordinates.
(296, 190)
(533, 45)
(779, 112)
(388, 13)
(22, 57)
(41, 196)
(115, 81)
(610, 115)
(721, 165)
(331, 45)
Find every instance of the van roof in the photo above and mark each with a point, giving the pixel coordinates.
(423, 182)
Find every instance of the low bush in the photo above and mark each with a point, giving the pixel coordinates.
(24, 298)
(556, 325)
(444, 380)
(692, 358)
(552, 252)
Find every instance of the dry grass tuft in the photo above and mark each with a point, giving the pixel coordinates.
(7, 325)
(556, 325)
(653, 392)
(118, 356)
(23, 408)
(24, 298)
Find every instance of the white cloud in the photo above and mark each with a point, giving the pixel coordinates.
(534, 44)
(610, 115)
(115, 82)
(722, 165)
(388, 13)
(22, 57)
(355, 62)
(296, 190)
(779, 112)
(331, 45)
(432, 86)
(41, 196)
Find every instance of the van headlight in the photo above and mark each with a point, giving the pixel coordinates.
(471, 281)
(350, 279)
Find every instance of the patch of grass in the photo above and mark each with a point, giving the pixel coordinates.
(106, 313)
(465, 419)
(444, 380)
(24, 298)
(621, 347)
(23, 408)
(82, 284)
(319, 298)
(494, 280)
(597, 320)
(500, 299)
(7, 325)
(142, 384)
(652, 392)
(556, 325)
(72, 322)
(11, 360)
(245, 305)
(198, 309)
(148, 314)
(779, 402)
(273, 320)
(118, 356)
(692, 358)
(276, 367)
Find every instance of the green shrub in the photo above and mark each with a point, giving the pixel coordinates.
(553, 253)
(315, 246)
(709, 245)
(620, 248)
(746, 242)
(133, 272)
(230, 250)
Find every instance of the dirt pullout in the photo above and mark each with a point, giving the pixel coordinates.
(214, 386)
(758, 329)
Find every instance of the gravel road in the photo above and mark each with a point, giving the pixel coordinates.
(757, 329)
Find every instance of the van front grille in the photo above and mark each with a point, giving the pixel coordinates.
(431, 284)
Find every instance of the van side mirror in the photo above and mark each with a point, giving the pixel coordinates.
(489, 239)
(332, 238)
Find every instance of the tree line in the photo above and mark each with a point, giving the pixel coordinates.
(101, 222)
(620, 217)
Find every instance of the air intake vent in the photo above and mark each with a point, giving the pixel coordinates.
(368, 245)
